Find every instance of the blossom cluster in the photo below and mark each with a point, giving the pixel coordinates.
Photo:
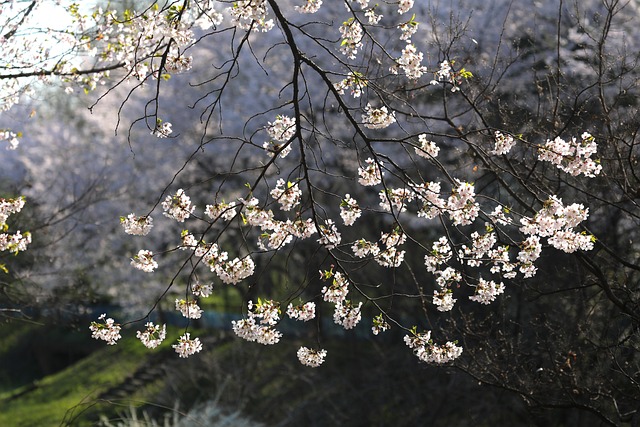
(281, 131)
(410, 62)
(136, 225)
(345, 313)
(311, 6)
(260, 322)
(304, 312)
(352, 34)
(371, 173)
(178, 206)
(10, 137)
(187, 346)
(573, 156)
(377, 118)
(107, 330)
(446, 74)
(17, 241)
(251, 15)
(355, 82)
(226, 211)
(310, 357)
(408, 29)
(144, 261)
(287, 194)
(557, 222)
(487, 291)
(503, 143)
(9, 207)
(153, 335)
(189, 308)
(427, 148)
(427, 351)
(349, 210)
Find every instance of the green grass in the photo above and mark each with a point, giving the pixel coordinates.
(70, 397)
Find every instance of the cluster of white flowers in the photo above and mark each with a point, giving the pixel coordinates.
(427, 148)
(573, 156)
(339, 288)
(397, 198)
(503, 143)
(302, 312)
(377, 118)
(144, 261)
(363, 3)
(379, 325)
(224, 210)
(461, 205)
(352, 34)
(372, 16)
(432, 204)
(425, 349)
(447, 277)
(178, 206)
(363, 248)
(311, 6)
(487, 291)
(349, 210)
(481, 244)
(347, 315)
(207, 16)
(251, 15)
(9, 207)
(187, 346)
(408, 29)
(557, 222)
(371, 173)
(14, 243)
(136, 225)
(354, 81)
(391, 257)
(132, 38)
(404, 6)
(280, 131)
(10, 137)
(258, 326)
(310, 357)
(107, 330)
(330, 238)
(410, 62)
(234, 271)
(441, 252)
(443, 299)
(253, 214)
(530, 250)
(189, 309)
(17, 241)
(288, 194)
(153, 335)
(446, 74)
(163, 129)
(201, 290)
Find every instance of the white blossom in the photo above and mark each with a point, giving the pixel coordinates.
(153, 335)
(107, 330)
(377, 118)
(187, 346)
(144, 261)
(310, 357)
(137, 225)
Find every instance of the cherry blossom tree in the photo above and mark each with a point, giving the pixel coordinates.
(390, 150)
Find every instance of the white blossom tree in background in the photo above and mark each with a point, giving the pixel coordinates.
(404, 164)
